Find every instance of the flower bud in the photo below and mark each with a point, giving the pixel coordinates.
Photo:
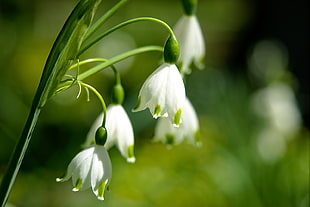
(190, 6)
(101, 136)
(171, 50)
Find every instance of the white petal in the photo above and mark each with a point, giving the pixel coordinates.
(101, 168)
(80, 166)
(119, 128)
(165, 131)
(151, 92)
(192, 46)
(191, 123)
(175, 92)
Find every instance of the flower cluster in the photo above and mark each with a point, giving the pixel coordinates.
(163, 93)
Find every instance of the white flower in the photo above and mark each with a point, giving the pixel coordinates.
(188, 130)
(119, 129)
(90, 168)
(192, 46)
(278, 106)
(163, 93)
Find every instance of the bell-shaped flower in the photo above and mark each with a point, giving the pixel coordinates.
(90, 168)
(119, 130)
(188, 130)
(163, 93)
(191, 41)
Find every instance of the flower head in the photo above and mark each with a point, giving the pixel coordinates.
(166, 133)
(90, 168)
(192, 46)
(163, 93)
(119, 130)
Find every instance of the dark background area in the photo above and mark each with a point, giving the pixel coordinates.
(287, 22)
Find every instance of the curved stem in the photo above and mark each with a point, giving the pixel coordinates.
(104, 107)
(103, 19)
(139, 19)
(91, 60)
(117, 75)
(118, 58)
(106, 63)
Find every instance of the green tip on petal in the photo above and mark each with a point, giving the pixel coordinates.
(131, 157)
(177, 118)
(157, 111)
(101, 190)
(200, 63)
(78, 185)
(169, 139)
(197, 139)
(59, 180)
(138, 104)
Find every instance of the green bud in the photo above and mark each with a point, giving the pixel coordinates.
(101, 136)
(118, 94)
(171, 50)
(190, 6)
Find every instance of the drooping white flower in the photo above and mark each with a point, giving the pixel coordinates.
(191, 41)
(90, 168)
(119, 130)
(278, 106)
(188, 130)
(163, 93)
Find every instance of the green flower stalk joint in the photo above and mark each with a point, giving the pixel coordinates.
(190, 6)
(118, 94)
(101, 136)
(171, 50)
(118, 90)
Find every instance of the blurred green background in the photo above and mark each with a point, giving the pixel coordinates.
(252, 102)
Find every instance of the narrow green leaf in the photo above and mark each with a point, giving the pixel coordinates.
(66, 47)
(64, 51)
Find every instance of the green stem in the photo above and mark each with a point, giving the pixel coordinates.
(103, 19)
(106, 63)
(104, 107)
(117, 75)
(139, 19)
(118, 58)
(91, 60)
